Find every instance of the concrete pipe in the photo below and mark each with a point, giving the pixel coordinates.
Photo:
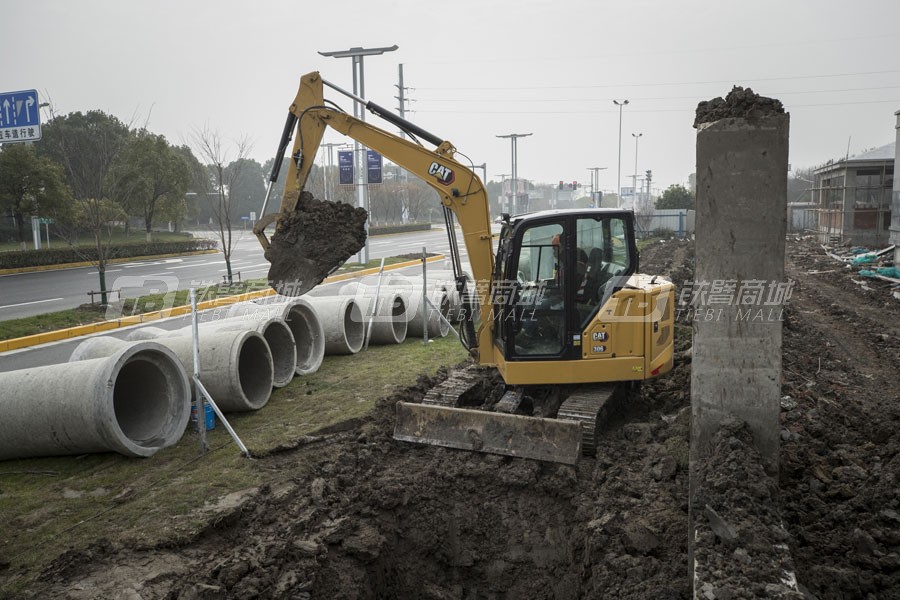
(146, 333)
(235, 366)
(437, 327)
(275, 331)
(390, 325)
(301, 317)
(134, 401)
(342, 322)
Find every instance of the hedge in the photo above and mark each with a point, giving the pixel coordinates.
(386, 229)
(16, 259)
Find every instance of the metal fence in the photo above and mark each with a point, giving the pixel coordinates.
(661, 223)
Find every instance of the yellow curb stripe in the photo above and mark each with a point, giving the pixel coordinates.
(111, 261)
(80, 330)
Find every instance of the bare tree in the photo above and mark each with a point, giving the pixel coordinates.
(225, 168)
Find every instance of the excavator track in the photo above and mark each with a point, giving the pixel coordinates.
(588, 405)
(448, 392)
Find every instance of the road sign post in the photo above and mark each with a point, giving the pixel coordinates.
(20, 117)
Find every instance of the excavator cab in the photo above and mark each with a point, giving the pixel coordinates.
(553, 272)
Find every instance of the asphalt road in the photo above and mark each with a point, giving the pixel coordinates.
(29, 294)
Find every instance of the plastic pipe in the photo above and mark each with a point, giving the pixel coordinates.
(134, 401)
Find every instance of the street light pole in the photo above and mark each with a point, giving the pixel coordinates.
(359, 89)
(621, 105)
(637, 139)
(514, 185)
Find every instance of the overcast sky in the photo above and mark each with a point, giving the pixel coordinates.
(476, 69)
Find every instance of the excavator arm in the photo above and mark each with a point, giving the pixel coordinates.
(458, 187)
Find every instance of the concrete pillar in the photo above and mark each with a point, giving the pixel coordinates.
(740, 238)
(895, 202)
(739, 288)
(134, 401)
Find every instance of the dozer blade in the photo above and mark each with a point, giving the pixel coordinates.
(496, 433)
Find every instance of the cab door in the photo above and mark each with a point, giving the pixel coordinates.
(536, 295)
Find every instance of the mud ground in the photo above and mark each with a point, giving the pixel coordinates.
(312, 241)
(349, 513)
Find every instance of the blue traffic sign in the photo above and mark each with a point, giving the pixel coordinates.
(20, 116)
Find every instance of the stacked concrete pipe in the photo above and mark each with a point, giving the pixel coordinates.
(342, 323)
(134, 401)
(389, 325)
(437, 326)
(303, 321)
(275, 331)
(235, 366)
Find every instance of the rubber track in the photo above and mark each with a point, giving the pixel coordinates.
(447, 392)
(585, 406)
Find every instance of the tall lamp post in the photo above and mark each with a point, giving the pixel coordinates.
(637, 139)
(621, 105)
(514, 185)
(359, 89)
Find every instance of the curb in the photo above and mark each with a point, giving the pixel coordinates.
(80, 330)
(113, 261)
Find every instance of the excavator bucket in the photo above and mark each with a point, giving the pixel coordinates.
(312, 241)
(552, 440)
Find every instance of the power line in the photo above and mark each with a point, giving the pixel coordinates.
(661, 110)
(618, 85)
(650, 98)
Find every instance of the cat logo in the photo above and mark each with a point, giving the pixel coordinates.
(443, 174)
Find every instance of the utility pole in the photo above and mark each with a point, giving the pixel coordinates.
(637, 138)
(621, 105)
(515, 186)
(595, 183)
(359, 89)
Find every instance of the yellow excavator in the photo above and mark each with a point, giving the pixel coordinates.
(560, 311)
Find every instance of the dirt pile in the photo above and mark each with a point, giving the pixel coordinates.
(739, 103)
(311, 242)
(740, 550)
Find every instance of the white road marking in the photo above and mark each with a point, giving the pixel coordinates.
(27, 303)
(203, 264)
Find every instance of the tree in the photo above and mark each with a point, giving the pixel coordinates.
(86, 145)
(676, 196)
(248, 187)
(30, 186)
(223, 173)
(149, 177)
